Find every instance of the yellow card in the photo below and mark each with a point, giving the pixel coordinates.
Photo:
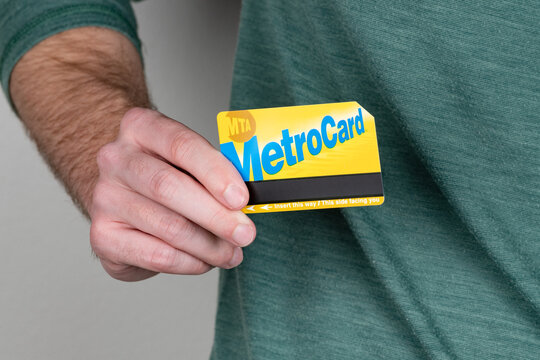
(304, 157)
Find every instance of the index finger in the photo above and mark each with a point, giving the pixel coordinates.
(184, 148)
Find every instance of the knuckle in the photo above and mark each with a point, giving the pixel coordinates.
(102, 197)
(182, 145)
(108, 156)
(136, 165)
(176, 229)
(116, 271)
(132, 118)
(162, 185)
(200, 268)
(213, 171)
(98, 237)
(164, 260)
(217, 221)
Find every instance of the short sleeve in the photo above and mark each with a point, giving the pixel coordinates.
(24, 23)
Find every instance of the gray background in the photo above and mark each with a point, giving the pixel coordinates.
(56, 302)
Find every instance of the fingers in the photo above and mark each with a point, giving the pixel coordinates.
(188, 150)
(177, 191)
(182, 234)
(125, 246)
(149, 214)
(126, 272)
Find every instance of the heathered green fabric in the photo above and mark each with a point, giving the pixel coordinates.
(448, 267)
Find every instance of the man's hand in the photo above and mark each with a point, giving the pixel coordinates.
(148, 217)
(73, 92)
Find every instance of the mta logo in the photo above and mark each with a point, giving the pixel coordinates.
(241, 126)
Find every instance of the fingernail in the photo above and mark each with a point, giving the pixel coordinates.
(236, 258)
(243, 234)
(234, 196)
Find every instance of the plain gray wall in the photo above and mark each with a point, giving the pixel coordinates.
(56, 302)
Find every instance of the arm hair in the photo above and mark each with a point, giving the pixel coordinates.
(71, 91)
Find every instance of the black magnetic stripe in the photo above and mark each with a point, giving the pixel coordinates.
(315, 188)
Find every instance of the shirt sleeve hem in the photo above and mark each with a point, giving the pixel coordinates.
(55, 21)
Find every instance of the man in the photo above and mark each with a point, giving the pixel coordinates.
(448, 267)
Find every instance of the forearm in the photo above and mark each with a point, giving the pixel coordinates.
(71, 92)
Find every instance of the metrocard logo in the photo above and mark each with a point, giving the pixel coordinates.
(274, 155)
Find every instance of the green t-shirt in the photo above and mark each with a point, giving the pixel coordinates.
(449, 266)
